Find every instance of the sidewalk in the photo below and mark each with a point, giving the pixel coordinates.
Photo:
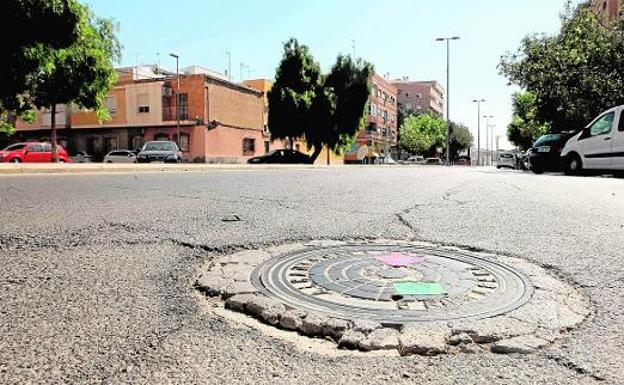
(80, 168)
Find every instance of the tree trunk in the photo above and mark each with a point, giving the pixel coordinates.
(316, 153)
(53, 135)
(328, 160)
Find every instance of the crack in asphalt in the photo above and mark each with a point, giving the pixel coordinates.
(569, 364)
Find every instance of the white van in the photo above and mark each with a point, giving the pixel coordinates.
(600, 146)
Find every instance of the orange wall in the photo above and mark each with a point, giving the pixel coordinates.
(89, 118)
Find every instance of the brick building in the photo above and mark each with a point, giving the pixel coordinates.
(220, 121)
(609, 8)
(375, 142)
(420, 96)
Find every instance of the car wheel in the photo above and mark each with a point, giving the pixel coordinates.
(573, 165)
(498, 167)
(61, 160)
(537, 170)
(16, 160)
(110, 161)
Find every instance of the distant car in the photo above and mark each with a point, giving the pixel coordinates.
(281, 156)
(82, 157)
(463, 162)
(414, 159)
(546, 152)
(32, 152)
(436, 161)
(507, 160)
(525, 160)
(160, 152)
(120, 156)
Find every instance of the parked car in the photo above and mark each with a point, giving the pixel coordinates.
(32, 152)
(282, 156)
(431, 161)
(120, 156)
(525, 160)
(546, 152)
(506, 159)
(160, 152)
(599, 146)
(81, 157)
(414, 159)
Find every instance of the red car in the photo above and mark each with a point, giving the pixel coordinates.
(32, 152)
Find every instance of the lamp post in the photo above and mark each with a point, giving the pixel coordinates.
(479, 101)
(448, 120)
(177, 96)
(488, 148)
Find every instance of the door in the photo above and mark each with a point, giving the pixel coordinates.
(34, 154)
(617, 149)
(596, 140)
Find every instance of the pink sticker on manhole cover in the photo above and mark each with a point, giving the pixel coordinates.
(399, 260)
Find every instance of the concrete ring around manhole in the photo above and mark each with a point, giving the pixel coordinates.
(414, 297)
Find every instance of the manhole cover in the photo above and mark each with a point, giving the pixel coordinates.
(393, 284)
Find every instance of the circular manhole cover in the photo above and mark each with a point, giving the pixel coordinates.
(393, 284)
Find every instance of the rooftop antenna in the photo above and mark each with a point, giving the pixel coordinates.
(353, 47)
(229, 69)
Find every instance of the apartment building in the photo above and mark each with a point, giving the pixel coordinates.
(609, 8)
(375, 142)
(220, 121)
(420, 96)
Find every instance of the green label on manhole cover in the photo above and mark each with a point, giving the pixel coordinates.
(419, 288)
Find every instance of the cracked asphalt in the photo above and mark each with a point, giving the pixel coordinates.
(97, 275)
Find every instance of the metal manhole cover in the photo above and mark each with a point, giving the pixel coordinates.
(393, 284)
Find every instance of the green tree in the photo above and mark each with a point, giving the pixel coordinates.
(461, 139)
(419, 134)
(81, 74)
(51, 24)
(325, 110)
(524, 128)
(575, 74)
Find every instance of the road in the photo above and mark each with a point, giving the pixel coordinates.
(97, 275)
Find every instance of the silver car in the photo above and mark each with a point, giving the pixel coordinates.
(506, 159)
(120, 156)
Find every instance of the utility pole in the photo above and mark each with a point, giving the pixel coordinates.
(353, 47)
(488, 148)
(229, 70)
(449, 130)
(177, 96)
(243, 66)
(479, 101)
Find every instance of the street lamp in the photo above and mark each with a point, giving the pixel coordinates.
(177, 95)
(488, 148)
(479, 101)
(448, 120)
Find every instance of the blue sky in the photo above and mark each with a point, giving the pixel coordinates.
(397, 36)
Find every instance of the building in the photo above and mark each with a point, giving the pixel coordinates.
(376, 140)
(220, 121)
(420, 96)
(609, 8)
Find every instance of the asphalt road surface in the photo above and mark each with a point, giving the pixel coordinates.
(96, 281)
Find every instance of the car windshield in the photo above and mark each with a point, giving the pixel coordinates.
(160, 146)
(15, 147)
(547, 140)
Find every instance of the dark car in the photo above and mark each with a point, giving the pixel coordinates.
(282, 156)
(160, 152)
(546, 152)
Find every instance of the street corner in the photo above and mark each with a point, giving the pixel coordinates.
(398, 297)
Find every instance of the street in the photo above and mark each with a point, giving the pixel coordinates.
(98, 270)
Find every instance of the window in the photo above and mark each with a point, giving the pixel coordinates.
(249, 146)
(266, 146)
(110, 143)
(143, 103)
(161, 137)
(36, 148)
(137, 142)
(603, 125)
(185, 140)
(111, 105)
(94, 145)
(621, 123)
(183, 107)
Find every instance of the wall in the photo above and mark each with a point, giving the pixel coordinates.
(153, 89)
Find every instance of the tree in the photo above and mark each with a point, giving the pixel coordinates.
(325, 110)
(419, 134)
(524, 128)
(81, 74)
(461, 139)
(573, 75)
(51, 24)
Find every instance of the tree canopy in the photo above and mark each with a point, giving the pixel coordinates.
(573, 75)
(325, 110)
(419, 134)
(461, 139)
(524, 128)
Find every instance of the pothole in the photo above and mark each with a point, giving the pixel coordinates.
(382, 295)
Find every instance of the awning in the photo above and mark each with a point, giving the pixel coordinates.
(356, 153)
(373, 154)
